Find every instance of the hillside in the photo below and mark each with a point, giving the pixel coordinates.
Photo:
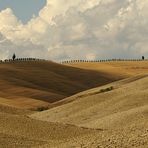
(93, 118)
(126, 103)
(119, 116)
(112, 115)
(35, 84)
(17, 130)
(115, 68)
(39, 83)
(121, 113)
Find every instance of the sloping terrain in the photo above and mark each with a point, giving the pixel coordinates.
(115, 68)
(6, 109)
(40, 83)
(36, 84)
(119, 114)
(17, 130)
(112, 115)
(125, 104)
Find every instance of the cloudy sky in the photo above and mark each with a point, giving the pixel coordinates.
(74, 29)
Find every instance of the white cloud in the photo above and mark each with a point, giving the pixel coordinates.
(91, 56)
(85, 29)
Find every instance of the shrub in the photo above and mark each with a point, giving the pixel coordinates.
(106, 89)
(42, 108)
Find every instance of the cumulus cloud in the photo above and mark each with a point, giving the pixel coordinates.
(80, 29)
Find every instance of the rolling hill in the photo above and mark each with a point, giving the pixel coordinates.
(17, 130)
(115, 68)
(40, 83)
(121, 113)
(111, 115)
(127, 102)
(37, 84)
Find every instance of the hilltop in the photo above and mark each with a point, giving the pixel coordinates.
(115, 68)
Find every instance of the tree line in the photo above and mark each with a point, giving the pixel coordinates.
(68, 61)
(107, 60)
(20, 59)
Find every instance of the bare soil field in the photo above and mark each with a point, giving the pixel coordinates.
(108, 114)
(120, 113)
(35, 84)
(115, 68)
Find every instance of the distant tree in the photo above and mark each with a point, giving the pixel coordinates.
(143, 58)
(13, 57)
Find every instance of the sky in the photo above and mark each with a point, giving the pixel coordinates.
(74, 29)
(23, 9)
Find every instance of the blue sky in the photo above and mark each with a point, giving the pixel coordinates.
(23, 9)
